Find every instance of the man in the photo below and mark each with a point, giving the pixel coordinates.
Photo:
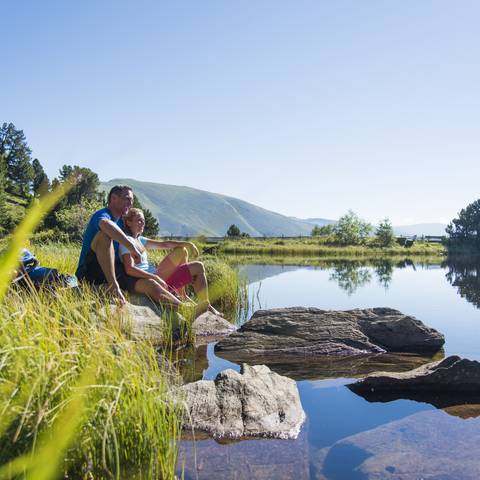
(97, 257)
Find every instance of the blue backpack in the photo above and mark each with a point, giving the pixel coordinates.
(41, 276)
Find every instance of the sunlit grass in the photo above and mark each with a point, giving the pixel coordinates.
(317, 247)
(129, 419)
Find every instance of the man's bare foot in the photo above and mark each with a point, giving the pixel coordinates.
(213, 310)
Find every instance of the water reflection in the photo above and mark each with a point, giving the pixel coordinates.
(463, 406)
(350, 276)
(330, 366)
(348, 436)
(464, 273)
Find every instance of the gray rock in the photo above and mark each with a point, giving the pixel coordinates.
(143, 323)
(302, 331)
(451, 381)
(253, 403)
(212, 325)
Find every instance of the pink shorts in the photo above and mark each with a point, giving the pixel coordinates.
(180, 277)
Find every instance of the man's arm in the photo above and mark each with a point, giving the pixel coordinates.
(115, 233)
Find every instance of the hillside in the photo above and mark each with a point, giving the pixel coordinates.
(189, 211)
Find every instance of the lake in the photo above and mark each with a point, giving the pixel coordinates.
(345, 436)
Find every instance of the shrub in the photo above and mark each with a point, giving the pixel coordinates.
(351, 230)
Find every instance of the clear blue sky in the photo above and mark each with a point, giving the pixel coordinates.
(307, 108)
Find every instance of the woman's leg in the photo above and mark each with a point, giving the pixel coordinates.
(170, 263)
(200, 284)
(156, 292)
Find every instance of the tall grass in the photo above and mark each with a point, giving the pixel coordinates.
(129, 419)
(78, 397)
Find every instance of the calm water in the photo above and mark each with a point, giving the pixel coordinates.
(345, 436)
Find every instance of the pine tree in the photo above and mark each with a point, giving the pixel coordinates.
(40, 182)
(151, 225)
(3, 215)
(17, 154)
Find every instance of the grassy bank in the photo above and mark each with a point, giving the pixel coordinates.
(318, 247)
(124, 422)
(127, 420)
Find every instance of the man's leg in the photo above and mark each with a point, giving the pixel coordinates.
(102, 246)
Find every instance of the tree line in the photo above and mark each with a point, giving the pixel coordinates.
(23, 178)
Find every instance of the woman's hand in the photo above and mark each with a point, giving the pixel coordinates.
(192, 248)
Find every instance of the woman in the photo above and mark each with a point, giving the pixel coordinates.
(166, 281)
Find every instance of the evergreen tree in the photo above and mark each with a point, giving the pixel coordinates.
(466, 228)
(3, 214)
(151, 225)
(85, 187)
(40, 182)
(384, 233)
(233, 231)
(17, 153)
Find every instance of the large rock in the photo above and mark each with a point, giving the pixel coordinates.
(253, 403)
(144, 323)
(302, 331)
(451, 381)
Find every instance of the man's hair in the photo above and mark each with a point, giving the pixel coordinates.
(117, 190)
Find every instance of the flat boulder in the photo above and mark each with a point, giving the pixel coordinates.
(448, 382)
(253, 403)
(300, 331)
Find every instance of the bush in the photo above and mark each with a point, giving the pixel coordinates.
(72, 220)
(351, 230)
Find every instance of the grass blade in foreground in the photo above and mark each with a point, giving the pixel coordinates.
(44, 464)
(32, 219)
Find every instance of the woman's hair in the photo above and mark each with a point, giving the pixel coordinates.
(132, 213)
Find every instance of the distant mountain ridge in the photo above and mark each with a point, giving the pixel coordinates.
(187, 211)
(419, 229)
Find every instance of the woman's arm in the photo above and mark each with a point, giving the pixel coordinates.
(133, 271)
(169, 244)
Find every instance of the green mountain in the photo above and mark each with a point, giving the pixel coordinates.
(188, 212)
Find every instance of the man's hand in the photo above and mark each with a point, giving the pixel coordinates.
(136, 255)
(117, 294)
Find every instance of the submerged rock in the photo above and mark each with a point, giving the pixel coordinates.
(253, 403)
(449, 382)
(302, 331)
(209, 324)
(428, 445)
